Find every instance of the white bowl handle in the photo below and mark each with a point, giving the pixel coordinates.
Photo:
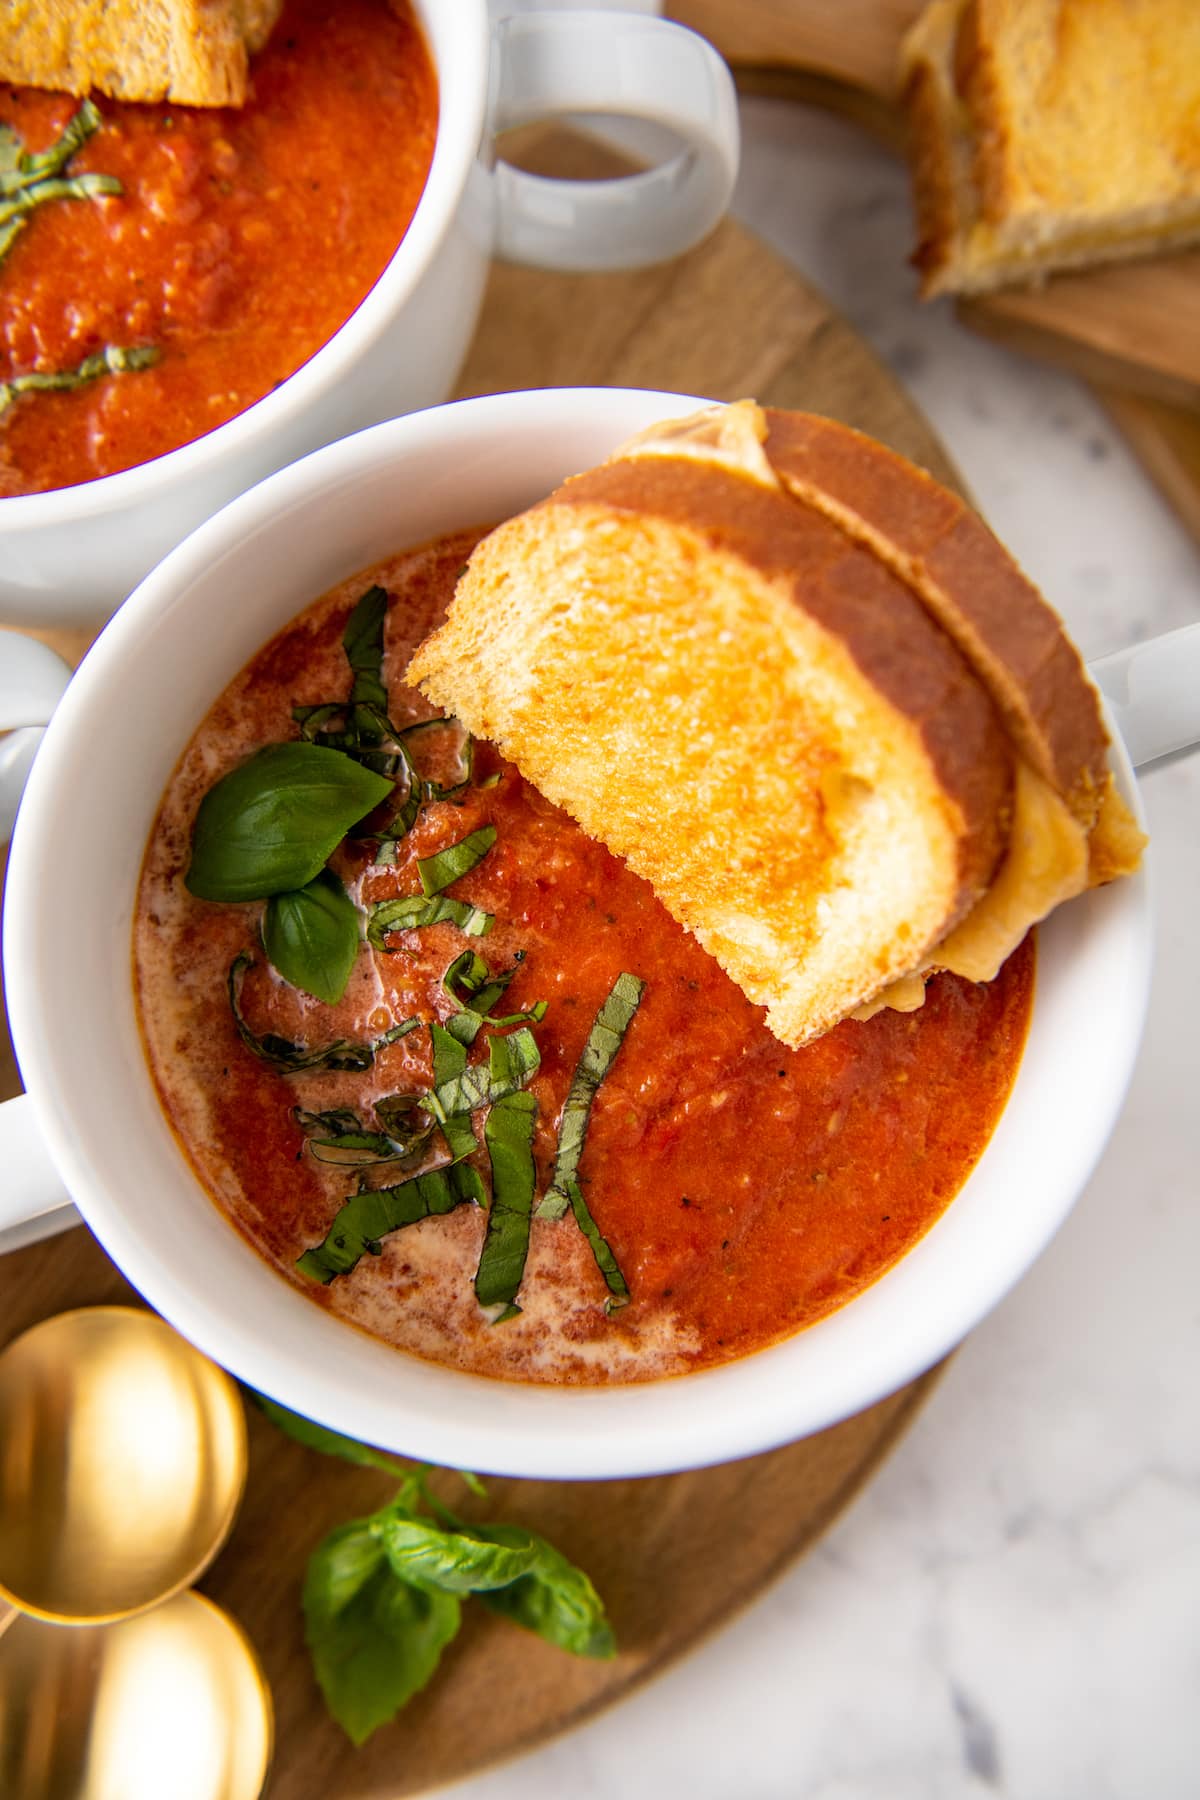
(556, 64)
(1153, 690)
(32, 681)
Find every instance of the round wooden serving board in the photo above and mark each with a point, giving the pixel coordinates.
(673, 1557)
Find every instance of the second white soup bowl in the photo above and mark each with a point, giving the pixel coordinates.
(70, 556)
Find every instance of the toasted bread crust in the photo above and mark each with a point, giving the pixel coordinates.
(851, 595)
(194, 52)
(940, 548)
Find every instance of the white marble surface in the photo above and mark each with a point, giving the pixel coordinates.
(1013, 1607)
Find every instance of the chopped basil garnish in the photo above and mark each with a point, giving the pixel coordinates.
(364, 728)
(511, 1062)
(271, 824)
(341, 1138)
(412, 912)
(291, 1058)
(449, 1065)
(18, 166)
(438, 871)
(508, 1135)
(311, 936)
(28, 179)
(114, 359)
(599, 1053)
(474, 988)
(366, 1217)
(606, 1262)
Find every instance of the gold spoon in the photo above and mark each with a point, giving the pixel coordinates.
(169, 1705)
(122, 1464)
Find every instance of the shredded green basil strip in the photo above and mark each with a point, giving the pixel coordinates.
(437, 872)
(20, 167)
(342, 1139)
(365, 728)
(508, 1135)
(290, 1058)
(412, 912)
(368, 1216)
(30, 179)
(511, 1062)
(30, 195)
(449, 1066)
(482, 989)
(606, 1262)
(599, 1053)
(114, 359)
(362, 640)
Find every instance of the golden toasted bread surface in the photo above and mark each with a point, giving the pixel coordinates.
(940, 547)
(194, 52)
(1051, 134)
(750, 709)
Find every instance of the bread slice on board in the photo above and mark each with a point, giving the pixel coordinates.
(195, 52)
(1050, 134)
(767, 718)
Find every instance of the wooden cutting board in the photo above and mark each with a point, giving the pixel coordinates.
(673, 1557)
(1133, 329)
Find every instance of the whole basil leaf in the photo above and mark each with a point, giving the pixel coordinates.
(271, 824)
(553, 1598)
(375, 1640)
(457, 1561)
(311, 936)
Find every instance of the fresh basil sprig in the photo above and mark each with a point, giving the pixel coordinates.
(383, 1594)
(271, 824)
(290, 1059)
(311, 936)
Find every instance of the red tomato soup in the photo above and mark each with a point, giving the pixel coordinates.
(744, 1190)
(242, 239)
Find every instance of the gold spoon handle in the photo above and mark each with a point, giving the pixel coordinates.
(8, 1616)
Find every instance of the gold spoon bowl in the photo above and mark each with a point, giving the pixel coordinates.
(168, 1705)
(122, 1464)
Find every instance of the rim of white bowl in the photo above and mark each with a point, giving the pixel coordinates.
(741, 1408)
(462, 99)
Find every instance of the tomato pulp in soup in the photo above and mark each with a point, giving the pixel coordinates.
(740, 1190)
(240, 240)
